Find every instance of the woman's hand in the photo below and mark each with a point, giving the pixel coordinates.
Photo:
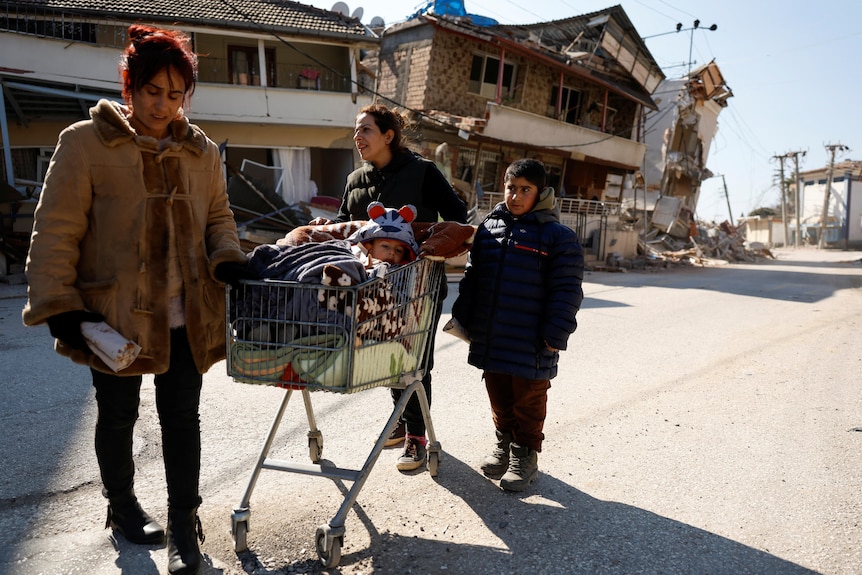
(66, 326)
(233, 273)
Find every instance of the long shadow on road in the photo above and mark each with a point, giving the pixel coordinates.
(556, 528)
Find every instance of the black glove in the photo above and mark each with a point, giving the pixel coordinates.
(233, 272)
(66, 326)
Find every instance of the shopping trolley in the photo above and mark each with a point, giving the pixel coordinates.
(338, 338)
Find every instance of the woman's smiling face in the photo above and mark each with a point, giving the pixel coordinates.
(372, 145)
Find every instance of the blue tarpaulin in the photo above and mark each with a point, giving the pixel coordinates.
(453, 8)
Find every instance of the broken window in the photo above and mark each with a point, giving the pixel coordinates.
(484, 74)
(570, 107)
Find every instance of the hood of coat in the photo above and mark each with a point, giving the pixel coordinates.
(111, 121)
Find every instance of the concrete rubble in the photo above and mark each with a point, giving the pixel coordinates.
(714, 244)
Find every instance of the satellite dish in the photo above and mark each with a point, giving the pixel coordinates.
(358, 13)
(377, 22)
(341, 8)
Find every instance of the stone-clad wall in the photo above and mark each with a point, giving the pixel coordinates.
(450, 74)
(429, 69)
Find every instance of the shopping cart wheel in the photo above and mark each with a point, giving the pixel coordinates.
(240, 537)
(239, 528)
(315, 446)
(328, 546)
(433, 462)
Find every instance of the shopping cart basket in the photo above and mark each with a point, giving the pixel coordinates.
(337, 338)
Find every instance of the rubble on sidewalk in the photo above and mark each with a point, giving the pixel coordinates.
(715, 245)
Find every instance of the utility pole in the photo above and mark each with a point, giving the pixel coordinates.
(727, 197)
(797, 195)
(783, 196)
(824, 215)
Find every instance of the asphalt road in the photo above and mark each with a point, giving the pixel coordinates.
(705, 420)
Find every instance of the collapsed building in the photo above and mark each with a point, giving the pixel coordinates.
(678, 138)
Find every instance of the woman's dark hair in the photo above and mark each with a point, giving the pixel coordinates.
(531, 170)
(386, 120)
(151, 50)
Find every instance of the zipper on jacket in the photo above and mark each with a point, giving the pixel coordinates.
(493, 311)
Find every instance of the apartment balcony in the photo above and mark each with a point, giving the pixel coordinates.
(301, 95)
(511, 125)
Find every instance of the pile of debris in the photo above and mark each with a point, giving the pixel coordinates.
(713, 245)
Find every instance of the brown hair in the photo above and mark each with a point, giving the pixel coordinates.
(386, 120)
(151, 50)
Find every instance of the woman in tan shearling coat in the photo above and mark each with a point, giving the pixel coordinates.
(134, 227)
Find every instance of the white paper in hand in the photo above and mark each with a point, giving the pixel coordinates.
(115, 350)
(454, 327)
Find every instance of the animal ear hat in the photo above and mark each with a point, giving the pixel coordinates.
(391, 224)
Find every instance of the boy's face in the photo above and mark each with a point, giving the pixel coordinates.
(391, 251)
(521, 196)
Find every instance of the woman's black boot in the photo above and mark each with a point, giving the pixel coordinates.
(184, 531)
(126, 516)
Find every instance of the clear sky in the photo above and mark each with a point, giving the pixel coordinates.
(792, 67)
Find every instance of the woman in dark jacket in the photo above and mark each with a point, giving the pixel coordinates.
(517, 301)
(395, 176)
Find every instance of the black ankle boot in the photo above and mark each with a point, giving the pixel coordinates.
(184, 531)
(134, 523)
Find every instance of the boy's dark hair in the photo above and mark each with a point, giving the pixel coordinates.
(531, 170)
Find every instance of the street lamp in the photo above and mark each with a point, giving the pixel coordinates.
(695, 26)
(696, 23)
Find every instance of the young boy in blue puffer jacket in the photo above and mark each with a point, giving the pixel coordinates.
(517, 302)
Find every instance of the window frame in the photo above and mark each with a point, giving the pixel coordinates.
(568, 91)
(251, 53)
(478, 85)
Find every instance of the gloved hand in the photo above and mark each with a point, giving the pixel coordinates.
(233, 272)
(66, 327)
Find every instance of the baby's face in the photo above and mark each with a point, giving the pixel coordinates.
(391, 251)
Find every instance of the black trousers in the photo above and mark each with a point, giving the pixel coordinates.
(412, 417)
(178, 393)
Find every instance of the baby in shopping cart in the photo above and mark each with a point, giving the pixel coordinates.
(387, 237)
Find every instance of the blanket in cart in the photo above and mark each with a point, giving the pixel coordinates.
(437, 241)
(324, 360)
(296, 313)
(336, 316)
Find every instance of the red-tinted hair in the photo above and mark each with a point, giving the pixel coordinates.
(151, 50)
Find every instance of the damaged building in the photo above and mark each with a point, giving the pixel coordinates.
(678, 138)
(279, 87)
(570, 92)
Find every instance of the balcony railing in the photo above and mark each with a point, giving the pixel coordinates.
(291, 76)
(567, 205)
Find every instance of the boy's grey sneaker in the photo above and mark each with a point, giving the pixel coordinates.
(397, 435)
(496, 464)
(413, 456)
(523, 468)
